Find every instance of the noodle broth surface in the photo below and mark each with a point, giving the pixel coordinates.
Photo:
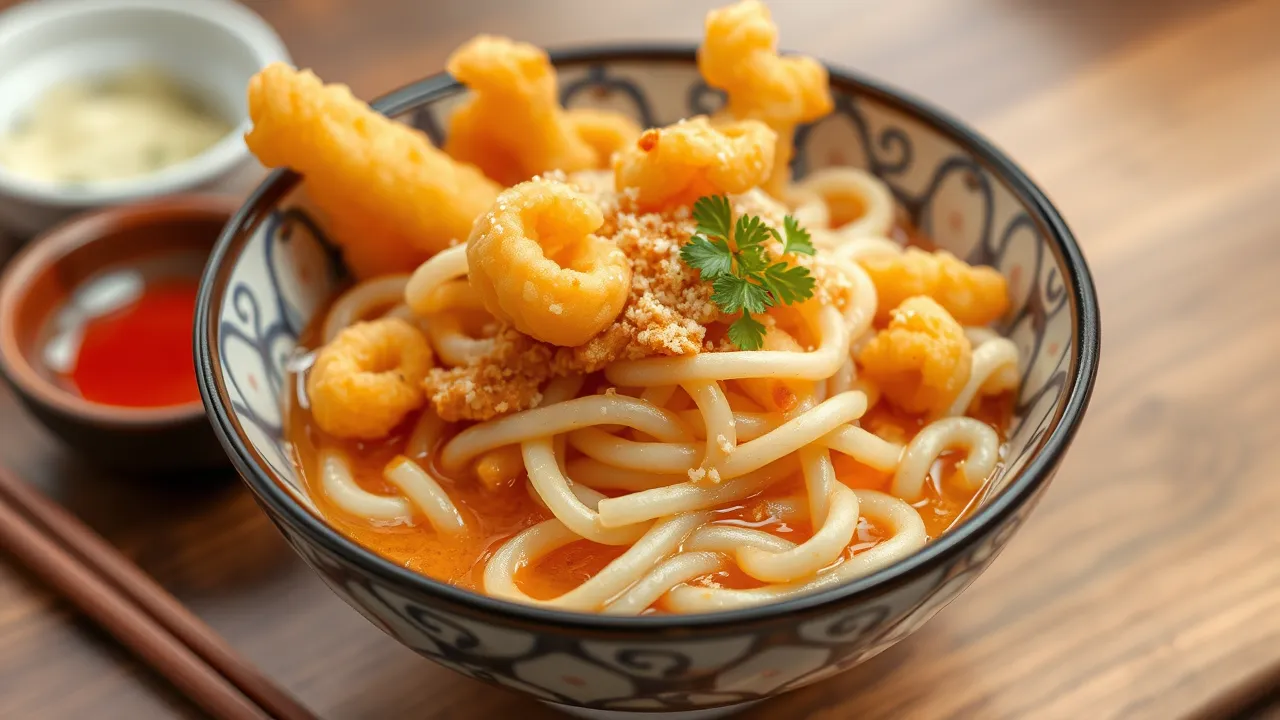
(496, 514)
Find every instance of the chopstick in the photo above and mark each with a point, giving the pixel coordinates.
(116, 593)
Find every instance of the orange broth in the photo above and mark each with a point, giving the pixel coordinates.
(497, 514)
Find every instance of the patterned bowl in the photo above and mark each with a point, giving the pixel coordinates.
(273, 269)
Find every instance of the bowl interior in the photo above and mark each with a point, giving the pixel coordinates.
(73, 265)
(275, 268)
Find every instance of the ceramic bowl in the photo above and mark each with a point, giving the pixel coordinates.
(172, 235)
(211, 46)
(274, 269)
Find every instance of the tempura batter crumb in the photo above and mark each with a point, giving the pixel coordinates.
(667, 312)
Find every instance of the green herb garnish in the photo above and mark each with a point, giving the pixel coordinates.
(743, 277)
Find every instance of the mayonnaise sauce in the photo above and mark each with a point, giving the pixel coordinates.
(124, 125)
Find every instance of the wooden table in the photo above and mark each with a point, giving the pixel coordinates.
(1146, 585)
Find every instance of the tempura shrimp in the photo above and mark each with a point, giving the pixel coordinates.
(739, 54)
(392, 199)
(973, 295)
(606, 131)
(679, 163)
(513, 126)
(536, 264)
(920, 361)
(366, 380)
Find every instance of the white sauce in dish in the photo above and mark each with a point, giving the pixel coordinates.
(99, 129)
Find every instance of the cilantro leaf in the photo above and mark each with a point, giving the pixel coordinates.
(744, 278)
(712, 258)
(734, 294)
(750, 231)
(747, 333)
(713, 215)
(751, 261)
(794, 238)
(789, 284)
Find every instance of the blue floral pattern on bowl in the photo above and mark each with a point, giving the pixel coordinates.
(274, 269)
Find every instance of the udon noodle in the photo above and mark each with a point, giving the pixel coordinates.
(450, 423)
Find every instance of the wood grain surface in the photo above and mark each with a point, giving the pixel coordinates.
(1147, 584)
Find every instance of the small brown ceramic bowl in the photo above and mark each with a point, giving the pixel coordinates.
(172, 236)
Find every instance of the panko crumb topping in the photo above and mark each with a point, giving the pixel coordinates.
(667, 311)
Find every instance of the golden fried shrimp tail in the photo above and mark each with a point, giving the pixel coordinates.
(513, 126)
(392, 199)
(922, 360)
(537, 265)
(973, 294)
(739, 55)
(679, 163)
(606, 131)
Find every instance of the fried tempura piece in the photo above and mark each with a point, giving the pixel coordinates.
(921, 360)
(739, 55)
(513, 126)
(973, 295)
(367, 379)
(508, 379)
(391, 197)
(680, 163)
(537, 265)
(606, 131)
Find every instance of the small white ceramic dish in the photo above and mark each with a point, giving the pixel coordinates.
(212, 46)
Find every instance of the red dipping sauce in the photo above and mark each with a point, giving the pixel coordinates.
(140, 355)
(126, 341)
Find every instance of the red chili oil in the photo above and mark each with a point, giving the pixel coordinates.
(139, 354)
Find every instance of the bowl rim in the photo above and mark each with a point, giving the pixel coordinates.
(1021, 489)
(50, 248)
(236, 21)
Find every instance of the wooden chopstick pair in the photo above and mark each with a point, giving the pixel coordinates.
(121, 598)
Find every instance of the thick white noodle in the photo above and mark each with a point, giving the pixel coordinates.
(730, 539)
(872, 193)
(426, 493)
(843, 380)
(689, 496)
(531, 545)
(341, 489)
(658, 395)
(810, 210)
(426, 433)
(454, 346)
(670, 572)
(794, 434)
(819, 480)
(440, 269)
(554, 489)
(819, 364)
(360, 300)
(748, 425)
(994, 369)
(979, 335)
(980, 442)
(402, 312)
(603, 476)
(585, 495)
(624, 454)
(563, 417)
(890, 514)
(823, 548)
(853, 250)
(865, 447)
(718, 423)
